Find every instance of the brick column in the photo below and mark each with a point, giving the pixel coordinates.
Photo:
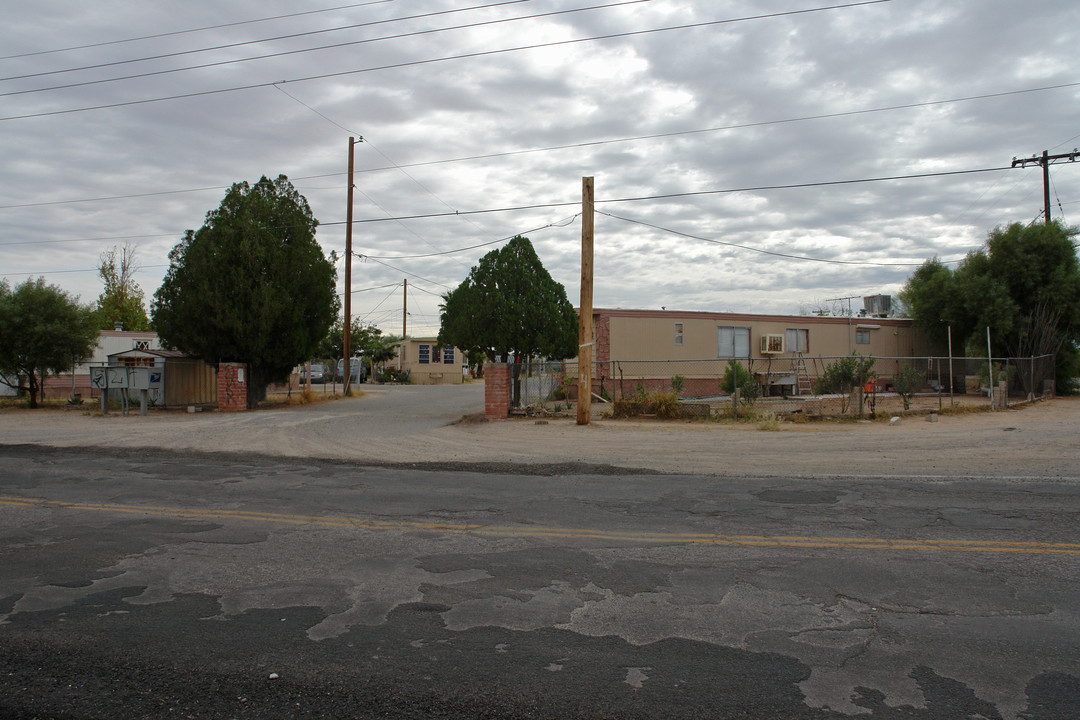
(232, 387)
(497, 391)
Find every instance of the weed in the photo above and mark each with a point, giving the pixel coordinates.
(768, 422)
(665, 405)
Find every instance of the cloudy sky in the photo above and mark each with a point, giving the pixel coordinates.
(760, 156)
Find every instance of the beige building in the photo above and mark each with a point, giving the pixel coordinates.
(430, 364)
(777, 348)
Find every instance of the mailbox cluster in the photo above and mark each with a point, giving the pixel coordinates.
(124, 378)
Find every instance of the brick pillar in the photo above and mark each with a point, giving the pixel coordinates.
(232, 387)
(497, 391)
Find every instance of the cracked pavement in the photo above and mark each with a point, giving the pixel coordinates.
(160, 583)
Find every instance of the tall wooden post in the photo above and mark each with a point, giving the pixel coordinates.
(585, 320)
(404, 322)
(1046, 186)
(347, 338)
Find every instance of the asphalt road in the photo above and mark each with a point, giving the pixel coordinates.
(148, 583)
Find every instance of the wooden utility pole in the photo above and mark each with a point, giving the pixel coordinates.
(585, 321)
(404, 322)
(1046, 160)
(347, 332)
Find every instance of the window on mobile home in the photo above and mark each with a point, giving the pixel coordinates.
(733, 342)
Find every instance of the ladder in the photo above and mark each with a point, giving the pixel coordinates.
(802, 379)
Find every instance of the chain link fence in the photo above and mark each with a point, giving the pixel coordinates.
(782, 386)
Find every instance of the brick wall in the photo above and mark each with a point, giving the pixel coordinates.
(602, 338)
(497, 391)
(232, 387)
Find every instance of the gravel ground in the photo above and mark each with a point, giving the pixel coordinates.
(413, 425)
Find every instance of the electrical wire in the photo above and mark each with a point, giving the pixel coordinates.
(542, 206)
(284, 53)
(388, 296)
(194, 30)
(560, 223)
(377, 287)
(573, 146)
(445, 58)
(418, 277)
(787, 256)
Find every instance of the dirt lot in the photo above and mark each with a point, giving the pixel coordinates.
(421, 425)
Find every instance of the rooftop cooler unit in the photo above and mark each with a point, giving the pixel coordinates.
(877, 305)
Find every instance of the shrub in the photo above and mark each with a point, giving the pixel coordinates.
(625, 408)
(393, 375)
(734, 373)
(677, 383)
(768, 422)
(846, 375)
(665, 405)
(906, 382)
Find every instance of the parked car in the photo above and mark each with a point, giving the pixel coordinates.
(357, 371)
(318, 374)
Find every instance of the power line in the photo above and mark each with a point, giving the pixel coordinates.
(788, 256)
(738, 126)
(285, 53)
(378, 287)
(97, 239)
(406, 272)
(542, 206)
(193, 30)
(445, 58)
(572, 146)
(671, 196)
(561, 223)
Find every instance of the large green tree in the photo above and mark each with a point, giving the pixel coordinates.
(1024, 285)
(122, 299)
(509, 304)
(42, 330)
(251, 285)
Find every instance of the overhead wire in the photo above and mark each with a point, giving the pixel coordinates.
(560, 223)
(572, 146)
(788, 256)
(285, 53)
(541, 206)
(188, 31)
(446, 58)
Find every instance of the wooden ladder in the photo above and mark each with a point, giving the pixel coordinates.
(802, 379)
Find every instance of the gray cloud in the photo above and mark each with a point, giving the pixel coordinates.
(762, 71)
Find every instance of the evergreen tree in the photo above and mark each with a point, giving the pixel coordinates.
(509, 304)
(251, 285)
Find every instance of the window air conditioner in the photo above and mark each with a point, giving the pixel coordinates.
(772, 344)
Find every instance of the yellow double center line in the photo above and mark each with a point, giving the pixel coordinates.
(787, 541)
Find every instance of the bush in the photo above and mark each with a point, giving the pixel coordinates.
(393, 375)
(665, 405)
(677, 383)
(906, 382)
(846, 375)
(749, 390)
(624, 408)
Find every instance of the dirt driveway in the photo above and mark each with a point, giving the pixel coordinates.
(411, 424)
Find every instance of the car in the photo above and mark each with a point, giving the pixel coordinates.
(357, 371)
(318, 373)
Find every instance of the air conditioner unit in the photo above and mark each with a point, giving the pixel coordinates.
(772, 344)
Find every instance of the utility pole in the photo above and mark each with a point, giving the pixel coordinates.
(404, 321)
(585, 322)
(347, 332)
(1046, 160)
